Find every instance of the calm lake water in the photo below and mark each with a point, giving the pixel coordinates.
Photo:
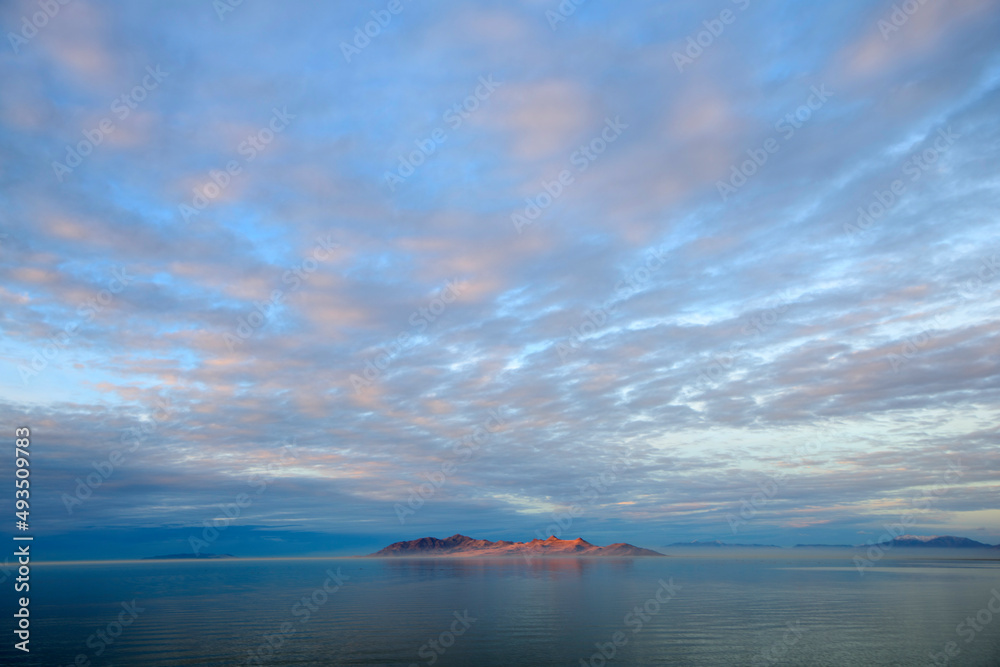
(672, 611)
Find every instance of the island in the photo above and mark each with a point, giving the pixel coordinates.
(460, 546)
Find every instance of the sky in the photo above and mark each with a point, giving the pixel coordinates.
(287, 279)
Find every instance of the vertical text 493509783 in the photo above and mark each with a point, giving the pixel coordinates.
(22, 552)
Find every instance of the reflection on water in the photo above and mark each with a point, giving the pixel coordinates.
(463, 567)
(726, 611)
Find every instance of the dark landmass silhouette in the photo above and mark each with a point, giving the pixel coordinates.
(939, 541)
(460, 546)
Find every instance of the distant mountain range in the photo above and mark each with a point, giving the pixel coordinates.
(918, 541)
(189, 556)
(717, 543)
(945, 541)
(460, 546)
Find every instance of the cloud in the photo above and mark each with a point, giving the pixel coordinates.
(768, 320)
